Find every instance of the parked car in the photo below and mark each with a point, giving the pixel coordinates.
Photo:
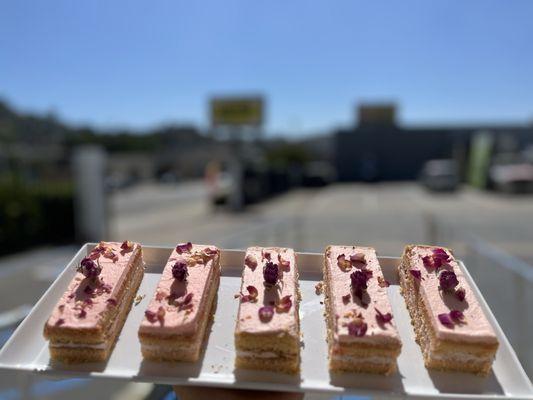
(440, 175)
(317, 174)
(512, 178)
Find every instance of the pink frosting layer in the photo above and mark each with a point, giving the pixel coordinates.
(81, 308)
(339, 285)
(476, 326)
(248, 316)
(179, 320)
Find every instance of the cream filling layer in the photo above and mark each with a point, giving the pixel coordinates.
(461, 357)
(155, 347)
(96, 346)
(371, 360)
(257, 354)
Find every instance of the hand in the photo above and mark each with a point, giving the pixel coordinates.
(209, 393)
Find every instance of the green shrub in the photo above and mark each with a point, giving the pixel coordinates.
(35, 215)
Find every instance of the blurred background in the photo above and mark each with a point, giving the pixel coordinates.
(238, 123)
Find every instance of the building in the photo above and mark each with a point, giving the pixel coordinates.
(379, 149)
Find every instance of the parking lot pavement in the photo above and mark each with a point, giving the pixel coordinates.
(386, 216)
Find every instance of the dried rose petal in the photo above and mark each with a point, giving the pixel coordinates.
(346, 298)
(359, 282)
(358, 257)
(89, 268)
(286, 264)
(106, 288)
(179, 271)
(82, 313)
(150, 316)
(99, 249)
(460, 294)
(440, 253)
(245, 298)
(126, 246)
(265, 255)
(359, 279)
(161, 313)
(184, 248)
(270, 273)
(428, 262)
(448, 280)
(60, 322)
(187, 299)
(454, 317)
(284, 304)
(109, 253)
(383, 318)
(251, 296)
(209, 252)
(457, 316)
(88, 302)
(445, 320)
(198, 258)
(382, 282)
(416, 273)
(357, 327)
(111, 302)
(253, 293)
(250, 261)
(266, 313)
(88, 290)
(343, 263)
(358, 260)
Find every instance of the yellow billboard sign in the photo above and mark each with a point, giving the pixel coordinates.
(236, 111)
(377, 114)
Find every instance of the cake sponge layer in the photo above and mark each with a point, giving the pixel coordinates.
(289, 365)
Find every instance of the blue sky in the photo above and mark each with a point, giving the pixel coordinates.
(142, 63)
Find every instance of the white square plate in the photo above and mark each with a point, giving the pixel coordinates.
(27, 350)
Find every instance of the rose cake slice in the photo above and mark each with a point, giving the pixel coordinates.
(177, 317)
(89, 316)
(450, 326)
(361, 334)
(267, 333)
